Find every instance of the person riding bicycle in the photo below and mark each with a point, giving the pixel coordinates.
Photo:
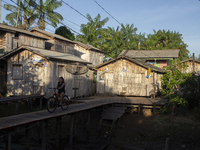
(61, 88)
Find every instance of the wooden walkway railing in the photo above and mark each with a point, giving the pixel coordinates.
(16, 99)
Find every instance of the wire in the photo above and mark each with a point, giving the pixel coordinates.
(74, 9)
(21, 8)
(107, 12)
(49, 16)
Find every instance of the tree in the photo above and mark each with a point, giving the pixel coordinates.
(92, 31)
(24, 12)
(30, 12)
(63, 31)
(162, 39)
(45, 13)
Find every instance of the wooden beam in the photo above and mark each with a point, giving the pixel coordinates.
(71, 132)
(193, 63)
(41, 103)
(88, 126)
(9, 142)
(27, 137)
(43, 136)
(154, 93)
(58, 128)
(16, 107)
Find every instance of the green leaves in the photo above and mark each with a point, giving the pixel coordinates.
(63, 31)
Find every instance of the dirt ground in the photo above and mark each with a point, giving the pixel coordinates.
(148, 132)
(131, 132)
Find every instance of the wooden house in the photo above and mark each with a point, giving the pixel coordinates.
(58, 43)
(126, 76)
(158, 58)
(32, 70)
(191, 66)
(11, 38)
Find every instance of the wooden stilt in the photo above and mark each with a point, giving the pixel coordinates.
(167, 144)
(43, 136)
(31, 101)
(58, 128)
(71, 132)
(6, 109)
(88, 126)
(41, 102)
(27, 137)
(16, 107)
(139, 109)
(39, 137)
(8, 145)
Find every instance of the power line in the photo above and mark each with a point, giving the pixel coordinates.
(21, 8)
(107, 12)
(74, 9)
(49, 16)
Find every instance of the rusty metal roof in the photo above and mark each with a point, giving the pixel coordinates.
(170, 53)
(18, 30)
(48, 54)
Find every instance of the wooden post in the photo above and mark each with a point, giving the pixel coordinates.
(39, 133)
(27, 137)
(154, 93)
(31, 101)
(193, 63)
(16, 107)
(139, 108)
(105, 85)
(71, 132)
(9, 142)
(167, 144)
(58, 128)
(6, 109)
(43, 136)
(41, 103)
(88, 126)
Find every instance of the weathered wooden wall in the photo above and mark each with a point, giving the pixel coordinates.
(37, 79)
(13, 42)
(132, 82)
(3, 40)
(190, 66)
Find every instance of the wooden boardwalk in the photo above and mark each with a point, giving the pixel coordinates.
(22, 119)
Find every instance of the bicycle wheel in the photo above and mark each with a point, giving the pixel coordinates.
(51, 104)
(65, 102)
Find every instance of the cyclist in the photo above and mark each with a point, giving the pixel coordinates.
(61, 88)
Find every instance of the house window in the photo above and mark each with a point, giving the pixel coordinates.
(61, 71)
(17, 72)
(100, 76)
(16, 35)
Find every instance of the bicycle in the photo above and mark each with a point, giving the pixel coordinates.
(54, 101)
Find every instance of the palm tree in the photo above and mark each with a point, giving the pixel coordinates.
(31, 12)
(92, 31)
(45, 13)
(23, 12)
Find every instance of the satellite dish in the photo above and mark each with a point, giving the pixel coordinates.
(76, 68)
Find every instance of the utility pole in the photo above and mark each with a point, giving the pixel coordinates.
(154, 93)
(18, 13)
(193, 63)
(0, 11)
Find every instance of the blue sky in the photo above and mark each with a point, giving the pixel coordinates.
(182, 16)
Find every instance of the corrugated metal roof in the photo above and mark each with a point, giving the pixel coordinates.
(52, 35)
(171, 53)
(48, 54)
(143, 64)
(88, 47)
(190, 59)
(18, 30)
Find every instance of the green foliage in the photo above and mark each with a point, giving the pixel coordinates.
(162, 39)
(31, 12)
(63, 31)
(180, 88)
